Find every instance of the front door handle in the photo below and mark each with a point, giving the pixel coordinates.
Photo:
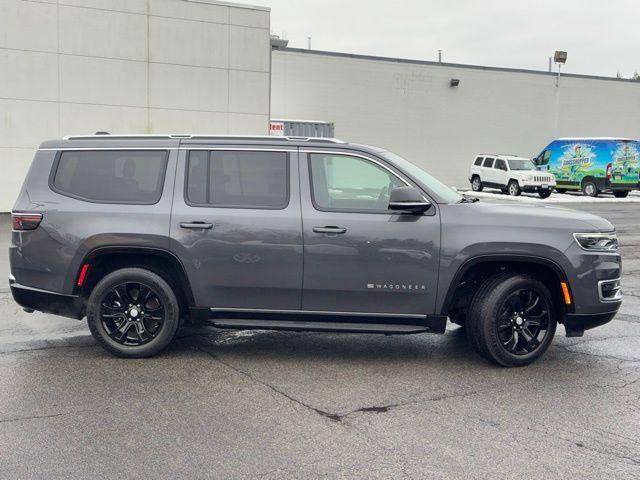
(197, 225)
(329, 229)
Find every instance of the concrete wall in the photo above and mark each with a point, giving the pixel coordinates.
(126, 66)
(410, 108)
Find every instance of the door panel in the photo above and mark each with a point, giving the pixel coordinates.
(238, 255)
(367, 260)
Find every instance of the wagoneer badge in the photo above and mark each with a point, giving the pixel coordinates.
(396, 286)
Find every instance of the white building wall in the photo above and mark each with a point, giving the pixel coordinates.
(411, 109)
(126, 66)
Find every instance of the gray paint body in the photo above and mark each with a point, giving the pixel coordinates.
(385, 263)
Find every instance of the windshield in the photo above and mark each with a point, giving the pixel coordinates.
(445, 193)
(521, 165)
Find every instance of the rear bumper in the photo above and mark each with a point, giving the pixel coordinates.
(576, 323)
(45, 301)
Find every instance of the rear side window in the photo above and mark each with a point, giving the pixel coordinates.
(236, 179)
(111, 176)
(488, 162)
(500, 165)
(478, 161)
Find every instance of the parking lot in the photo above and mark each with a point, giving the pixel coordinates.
(261, 404)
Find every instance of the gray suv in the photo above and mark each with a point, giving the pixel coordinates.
(143, 233)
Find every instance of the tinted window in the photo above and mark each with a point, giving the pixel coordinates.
(543, 159)
(488, 162)
(521, 165)
(478, 161)
(238, 179)
(500, 165)
(342, 182)
(133, 176)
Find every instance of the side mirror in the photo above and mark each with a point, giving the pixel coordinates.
(408, 199)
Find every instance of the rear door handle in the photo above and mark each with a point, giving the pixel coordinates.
(329, 229)
(197, 225)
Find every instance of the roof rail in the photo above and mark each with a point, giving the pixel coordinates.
(105, 136)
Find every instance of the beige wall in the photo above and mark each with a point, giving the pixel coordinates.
(411, 109)
(126, 66)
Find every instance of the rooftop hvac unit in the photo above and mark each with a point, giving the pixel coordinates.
(301, 128)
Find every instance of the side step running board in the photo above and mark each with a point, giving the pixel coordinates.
(317, 326)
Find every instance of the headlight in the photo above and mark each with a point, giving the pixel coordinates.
(597, 242)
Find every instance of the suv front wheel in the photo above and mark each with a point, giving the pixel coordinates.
(514, 188)
(133, 313)
(511, 320)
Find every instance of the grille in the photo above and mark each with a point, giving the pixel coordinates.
(541, 178)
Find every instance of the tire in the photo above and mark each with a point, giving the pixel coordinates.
(513, 188)
(620, 193)
(116, 313)
(589, 189)
(476, 184)
(561, 190)
(544, 193)
(502, 339)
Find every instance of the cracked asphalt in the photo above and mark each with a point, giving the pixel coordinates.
(274, 405)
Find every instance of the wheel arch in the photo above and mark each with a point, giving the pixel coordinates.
(106, 259)
(483, 266)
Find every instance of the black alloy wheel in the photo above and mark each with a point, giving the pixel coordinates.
(132, 313)
(523, 322)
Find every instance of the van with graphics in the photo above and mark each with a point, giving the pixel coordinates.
(592, 165)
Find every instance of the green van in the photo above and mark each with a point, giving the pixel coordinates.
(592, 165)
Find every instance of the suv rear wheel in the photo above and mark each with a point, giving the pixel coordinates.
(133, 313)
(476, 184)
(589, 189)
(621, 193)
(513, 188)
(511, 320)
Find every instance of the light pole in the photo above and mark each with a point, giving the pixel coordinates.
(560, 58)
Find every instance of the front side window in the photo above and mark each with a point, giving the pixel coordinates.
(478, 161)
(112, 176)
(521, 165)
(544, 158)
(343, 182)
(488, 162)
(237, 179)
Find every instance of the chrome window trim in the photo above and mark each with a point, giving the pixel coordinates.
(93, 149)
(365, 157)
(232, 148)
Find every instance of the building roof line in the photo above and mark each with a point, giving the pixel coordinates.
(223, 3)
(451, 65)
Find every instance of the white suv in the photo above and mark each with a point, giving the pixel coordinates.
(510, 174)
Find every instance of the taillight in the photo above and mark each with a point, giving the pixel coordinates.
(25, 221)
(608, 171)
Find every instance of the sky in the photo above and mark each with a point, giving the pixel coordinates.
(601, 37)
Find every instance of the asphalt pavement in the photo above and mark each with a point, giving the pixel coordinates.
(277, 405)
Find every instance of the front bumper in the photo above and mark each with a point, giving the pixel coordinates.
(593, 304)
(45, 301)
(576, 323)
(536, 188)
